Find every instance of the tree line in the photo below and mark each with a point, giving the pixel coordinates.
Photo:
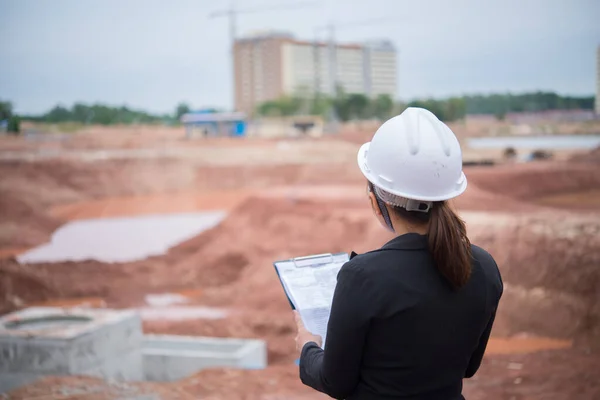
(107, 115)
(353, 106)
(501, 104)
(358, 106)
(98, 114)
(9, 120)
(346, 106)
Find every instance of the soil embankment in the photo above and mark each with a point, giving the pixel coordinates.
(548, 255)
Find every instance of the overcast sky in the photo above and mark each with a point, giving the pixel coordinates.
(151, 54)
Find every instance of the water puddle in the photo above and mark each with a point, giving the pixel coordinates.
(121, 239)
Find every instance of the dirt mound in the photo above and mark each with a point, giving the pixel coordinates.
(18, 287)
(274, 229)
(537, 255)
(592, 156)
(22, 222)
(28, 189)
(549, 263)
(66, 181)
(225, 255)
(232, 266)
(528, 182)
(279, 229)
(477, 199)
(556, 251)
(556, 375)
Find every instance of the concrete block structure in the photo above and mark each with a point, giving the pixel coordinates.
(42, 341)
(170, 358)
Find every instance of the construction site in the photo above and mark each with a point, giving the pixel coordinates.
(138, 247)
(264, 200)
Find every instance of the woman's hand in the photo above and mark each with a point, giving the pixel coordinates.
(304, 336)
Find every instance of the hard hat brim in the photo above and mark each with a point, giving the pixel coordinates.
(366, 171)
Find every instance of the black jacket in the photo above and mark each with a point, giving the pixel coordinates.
(398, 331)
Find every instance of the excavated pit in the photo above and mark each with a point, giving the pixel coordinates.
(530, 217)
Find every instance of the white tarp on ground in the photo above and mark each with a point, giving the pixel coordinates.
(121, 239)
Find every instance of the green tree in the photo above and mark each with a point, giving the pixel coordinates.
(446, 110)
(5, 110)
(269, 109)
(320, 105)
(97, 114)
(182, 108)
(14, 125)
(455, 108)
(282, 107)
(58, 114)
(81, 113)
(501, 104)
(382, 106)
(435, 106)
(354, 106)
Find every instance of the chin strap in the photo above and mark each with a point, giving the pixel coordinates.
(385, 213)
(382, 208)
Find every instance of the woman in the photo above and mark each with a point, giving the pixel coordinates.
(411, 319)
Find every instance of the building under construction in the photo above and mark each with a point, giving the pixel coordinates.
(270, 65)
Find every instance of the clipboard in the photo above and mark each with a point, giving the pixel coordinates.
(309, 262)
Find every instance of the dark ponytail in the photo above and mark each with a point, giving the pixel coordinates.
(449, 244)
(448, 241)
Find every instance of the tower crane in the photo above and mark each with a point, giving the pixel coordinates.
(233, 12)
(331, 28)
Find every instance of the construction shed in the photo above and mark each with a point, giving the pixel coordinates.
(212, 124)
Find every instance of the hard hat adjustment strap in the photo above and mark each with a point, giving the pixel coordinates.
(416, 205)
(403, 202)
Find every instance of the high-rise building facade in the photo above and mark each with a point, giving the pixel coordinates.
(272, 65)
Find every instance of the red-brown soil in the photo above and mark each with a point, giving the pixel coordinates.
(549, 256)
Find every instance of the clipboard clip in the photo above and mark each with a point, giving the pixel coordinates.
(313, 261)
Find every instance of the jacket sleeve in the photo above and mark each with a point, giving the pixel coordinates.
(477, 355)
(335, 371)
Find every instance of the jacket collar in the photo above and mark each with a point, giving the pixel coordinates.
(408, 241)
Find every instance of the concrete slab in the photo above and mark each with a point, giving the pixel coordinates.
(54, 341)
(10, 380)
(170, 357)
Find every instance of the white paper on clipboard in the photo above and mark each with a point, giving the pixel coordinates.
(309, 283)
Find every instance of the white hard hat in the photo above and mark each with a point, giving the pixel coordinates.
(414, 156)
